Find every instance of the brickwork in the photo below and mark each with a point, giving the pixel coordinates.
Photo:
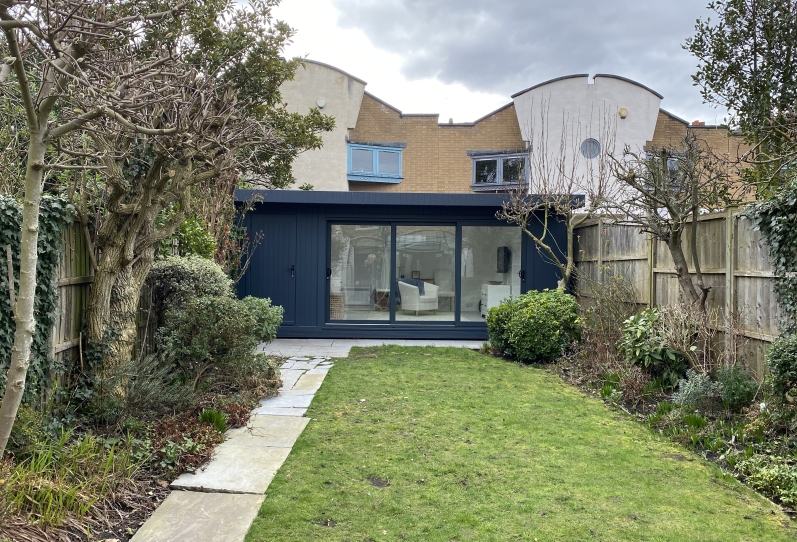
(435, 159)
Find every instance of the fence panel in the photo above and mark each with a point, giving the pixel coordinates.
(733, 258)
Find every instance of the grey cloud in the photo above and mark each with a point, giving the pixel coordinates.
(506, 46)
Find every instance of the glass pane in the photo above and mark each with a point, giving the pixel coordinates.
(359, 288)
(486, 171)
(490, 265)
(425, 273)
(514, 170)
(362, 161)
(388, 163)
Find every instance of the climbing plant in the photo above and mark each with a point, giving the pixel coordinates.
(775, 218)
(55, 215)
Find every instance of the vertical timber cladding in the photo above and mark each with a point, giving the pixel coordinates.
(313, 212)
(734, 261)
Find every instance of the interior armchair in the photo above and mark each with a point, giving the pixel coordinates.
(412, 300)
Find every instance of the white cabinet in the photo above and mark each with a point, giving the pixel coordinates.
(492, 295)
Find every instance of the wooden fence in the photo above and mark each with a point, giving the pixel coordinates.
(74, 278)
(733, 258)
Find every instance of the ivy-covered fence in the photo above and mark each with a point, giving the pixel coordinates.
(55, 215)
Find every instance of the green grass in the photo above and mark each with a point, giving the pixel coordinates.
(470, 447)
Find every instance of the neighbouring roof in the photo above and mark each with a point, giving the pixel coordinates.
(331, 67)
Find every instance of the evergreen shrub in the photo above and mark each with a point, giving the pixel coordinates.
(175, 280)
(535, 326)
(782, 361)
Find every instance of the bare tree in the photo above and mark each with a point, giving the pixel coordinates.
(666, 190)
(71, 63)
(569, 180)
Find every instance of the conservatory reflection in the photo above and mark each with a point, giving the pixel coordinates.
(425, 262)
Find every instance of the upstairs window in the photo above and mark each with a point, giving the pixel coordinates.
(499, 172)
(375, 163)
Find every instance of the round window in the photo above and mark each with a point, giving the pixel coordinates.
(590, 148)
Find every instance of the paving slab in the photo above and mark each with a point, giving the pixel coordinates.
(279, 411)
(289, 377)
(301, 366)
(318, 371)
(236, 469)
(288, 399)
(276, 432)
(201, 517)
(309, 381)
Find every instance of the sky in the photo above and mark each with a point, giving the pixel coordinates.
(465, 58)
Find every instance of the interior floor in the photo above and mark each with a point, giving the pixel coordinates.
(369, 315)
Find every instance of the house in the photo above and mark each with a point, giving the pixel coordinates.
(399, 236)
(377, 148)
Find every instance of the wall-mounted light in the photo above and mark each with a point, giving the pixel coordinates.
(623, 112)
(321, 102)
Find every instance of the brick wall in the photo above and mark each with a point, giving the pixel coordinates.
(435, 159)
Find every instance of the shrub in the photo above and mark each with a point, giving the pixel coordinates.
(642, 345)
(697, 391)
(268, 317)
(782, 360)
(211, 340)
(535, 326)
(773, 476)
(633, 383)
(192, 237)
(737, 388)
(175, 280)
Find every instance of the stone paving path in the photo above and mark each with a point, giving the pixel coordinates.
(219, 502)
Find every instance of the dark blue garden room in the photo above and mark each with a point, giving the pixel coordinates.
(388, 265)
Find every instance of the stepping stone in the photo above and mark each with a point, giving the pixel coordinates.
(301, 359)
(309, 382)
(287, 399)
(301, 366)
(318, 371)
(281, 411)
(236, 468)
(201, 517)
(286, 365)
(289, 377)
(273, 431)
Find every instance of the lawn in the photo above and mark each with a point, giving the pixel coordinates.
(428, 444)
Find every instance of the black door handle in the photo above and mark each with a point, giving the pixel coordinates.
(293, 271)
(522, 275)
(329, 272)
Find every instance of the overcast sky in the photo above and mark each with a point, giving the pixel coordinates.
(465, 58)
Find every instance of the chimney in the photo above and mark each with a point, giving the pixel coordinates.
(698, 123)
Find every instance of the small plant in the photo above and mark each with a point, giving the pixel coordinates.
(641, 344)
(737, 388)
(695, 421)
(215, 418)
(782, 360)
(696, 391)
(775, 477)
(535, 326)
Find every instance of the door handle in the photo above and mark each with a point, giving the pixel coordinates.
(293, 271)
(522, 275)
(329, 272)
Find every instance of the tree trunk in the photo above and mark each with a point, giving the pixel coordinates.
(24, 316)
(113, 304)
(681, 267)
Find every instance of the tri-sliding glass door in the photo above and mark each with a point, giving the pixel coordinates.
(420, 273)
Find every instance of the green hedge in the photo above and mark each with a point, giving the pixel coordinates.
(536, 326)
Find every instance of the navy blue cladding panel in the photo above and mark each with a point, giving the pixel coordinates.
(314, 210)
(272, 269)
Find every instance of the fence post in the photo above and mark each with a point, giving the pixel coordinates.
(599, 239)
(730, 262)
(651, 271)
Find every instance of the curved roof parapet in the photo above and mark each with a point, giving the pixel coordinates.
(350, 76)
(627, 80)
(551, 81)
